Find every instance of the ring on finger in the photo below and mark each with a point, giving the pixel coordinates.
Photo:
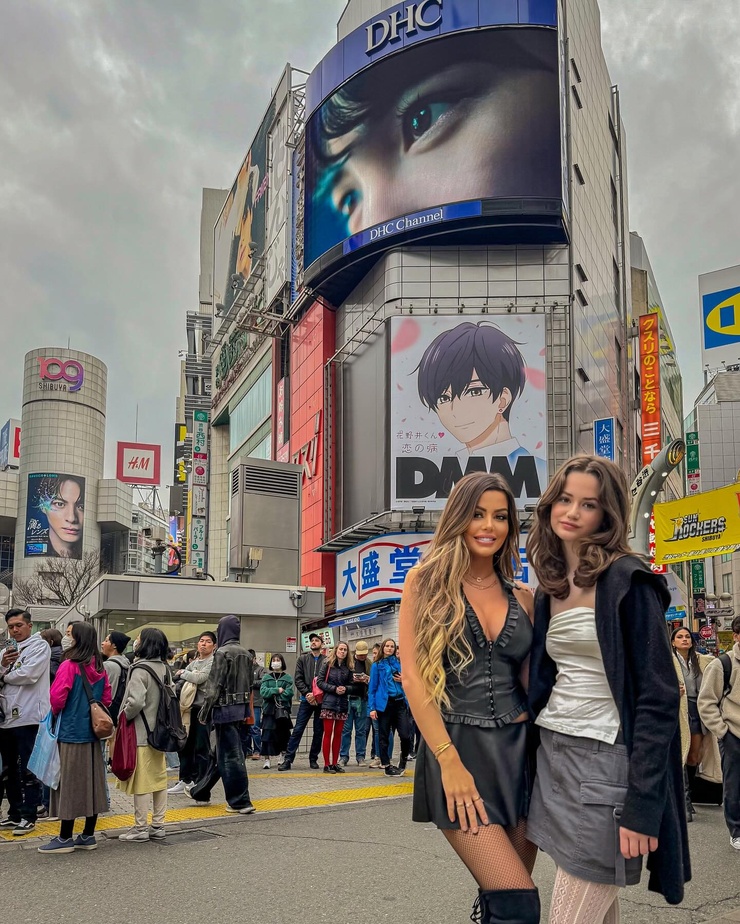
(477, 799)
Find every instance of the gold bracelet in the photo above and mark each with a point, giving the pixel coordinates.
(441, 748)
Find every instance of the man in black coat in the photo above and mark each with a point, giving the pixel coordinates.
(309, 666)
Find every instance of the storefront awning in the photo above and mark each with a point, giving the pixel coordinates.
(363, 619)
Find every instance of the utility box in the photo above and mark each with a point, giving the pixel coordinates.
(266, 515)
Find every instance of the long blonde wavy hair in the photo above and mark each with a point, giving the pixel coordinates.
(439, 623)
(599, 550)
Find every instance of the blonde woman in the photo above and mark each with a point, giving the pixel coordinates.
(335, 680)
(465, 634)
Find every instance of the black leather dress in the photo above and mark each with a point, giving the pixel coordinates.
(485, 702)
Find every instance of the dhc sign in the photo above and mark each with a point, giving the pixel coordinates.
(415, 16)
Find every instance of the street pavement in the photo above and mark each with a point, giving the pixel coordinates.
(337, 849)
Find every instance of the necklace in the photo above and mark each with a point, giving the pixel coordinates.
(478, 582)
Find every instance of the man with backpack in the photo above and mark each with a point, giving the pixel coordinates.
(719, 710)
(226, 705)
(116, 667)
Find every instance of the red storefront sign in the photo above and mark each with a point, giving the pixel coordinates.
(650, 387)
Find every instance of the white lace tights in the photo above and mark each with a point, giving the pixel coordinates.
(575, 901)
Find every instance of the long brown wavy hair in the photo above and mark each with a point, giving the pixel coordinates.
(599, 550)
(332, 659)
(439, 623)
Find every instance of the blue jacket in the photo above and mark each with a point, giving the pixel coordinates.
(382, 683)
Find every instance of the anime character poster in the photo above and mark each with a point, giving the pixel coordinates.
(467, 395)
(421, 137)
(55, 516)
(239, 235)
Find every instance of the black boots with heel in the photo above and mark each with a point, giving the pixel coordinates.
(507, 906)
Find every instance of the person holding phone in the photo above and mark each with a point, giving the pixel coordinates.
(276, 691)
(388, 704)
(358, 714)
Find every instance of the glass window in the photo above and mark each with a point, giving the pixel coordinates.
(251, 411)
(726, 557)
(727, 583)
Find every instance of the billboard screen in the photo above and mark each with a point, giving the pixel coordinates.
(702, 526)
(467, 396)
(461, 126)
(55, 516)
(239, 235)
(720, 317)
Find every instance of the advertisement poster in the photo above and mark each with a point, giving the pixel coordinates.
(467, 396)
(375, 571)
(650, 387)
(464, 110)
(55, 516)
(698, 527)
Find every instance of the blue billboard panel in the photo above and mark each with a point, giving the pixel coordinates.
(433, 116)
(604, 438)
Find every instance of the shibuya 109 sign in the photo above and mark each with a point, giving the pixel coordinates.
(375, 571)
(60, 374)
(467, 397)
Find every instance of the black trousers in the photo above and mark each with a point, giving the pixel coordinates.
(23, 790)
(395, 716)
(228, 766)
(196, 755)
(730, 749)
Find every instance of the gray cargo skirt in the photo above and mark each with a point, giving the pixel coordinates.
(579, 792)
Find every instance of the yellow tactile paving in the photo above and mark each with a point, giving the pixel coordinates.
(272, 804)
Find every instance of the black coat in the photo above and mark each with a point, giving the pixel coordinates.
(630, 624)
(328, 681)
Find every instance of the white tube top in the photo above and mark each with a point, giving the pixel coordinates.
(581, 702)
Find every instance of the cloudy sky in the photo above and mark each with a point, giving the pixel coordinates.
(115, 114)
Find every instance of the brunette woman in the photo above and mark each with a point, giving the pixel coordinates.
(276, 691)
(335, 680)
(609, 784)
(689, 666)
(465, 634)
(82, 789)
(388, 705)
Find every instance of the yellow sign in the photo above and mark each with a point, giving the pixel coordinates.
(698, 527)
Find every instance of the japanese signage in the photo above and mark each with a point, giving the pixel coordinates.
(198, 534)
(720, 315)
(181, 433)
(60, 374)
(650, 386)
(327, 637)
(281, 414)
(10, 445)
(467, 396)
(198, 491)
(658, 569)
(604, 438)
(375, 570)
(200, 448)
(698, 527)
(55, 516)
(199, 500)
(698, 579)
(693, 465)
(138, 463)
(230, 353)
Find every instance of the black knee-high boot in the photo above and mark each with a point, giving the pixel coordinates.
(507, 906)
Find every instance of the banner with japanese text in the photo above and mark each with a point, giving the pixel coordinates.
(374, 571)
(650, 386)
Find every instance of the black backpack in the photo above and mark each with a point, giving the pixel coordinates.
(168, 733)
(115, 706)
(726, 674)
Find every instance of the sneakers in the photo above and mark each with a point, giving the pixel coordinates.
(59, 845)
(24, 826)
(266, 764)
(284, 764)
(9, 823)
(390, 770)
(248, 809)
(313, 764)
(375, 764)
(343, 761)
(84, 842)
(135, 835)
(43, 812)
(339, 769)
(361, 761)
(331, 769)
(202, 801)
(412, 755)
(157, 833)
(735, 842)
(178, 788)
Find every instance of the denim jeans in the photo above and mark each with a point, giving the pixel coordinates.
(23, 791)
(255, 733)
(228, 766)
(375, 746)
(356, 716)
(305, 711)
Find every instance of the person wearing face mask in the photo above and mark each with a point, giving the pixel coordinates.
(276, 691)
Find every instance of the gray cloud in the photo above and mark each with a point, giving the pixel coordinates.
(116, 114)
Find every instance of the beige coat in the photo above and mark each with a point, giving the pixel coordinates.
(710, 767)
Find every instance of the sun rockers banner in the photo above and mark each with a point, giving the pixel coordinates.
(698, 527)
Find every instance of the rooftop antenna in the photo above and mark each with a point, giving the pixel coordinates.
(136, 429)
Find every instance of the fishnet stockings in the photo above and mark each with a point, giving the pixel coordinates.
(575, 901)
(498, 858)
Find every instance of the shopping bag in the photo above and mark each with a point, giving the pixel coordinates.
(44, 761)
(123, 760)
